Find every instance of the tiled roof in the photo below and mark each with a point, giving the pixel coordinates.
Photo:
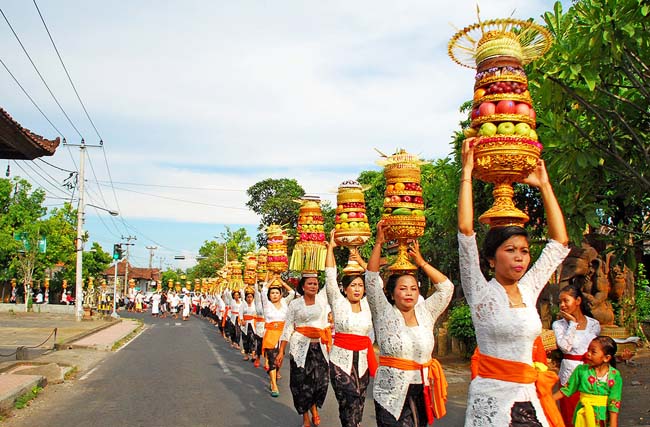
(134, 272)
(17, 142)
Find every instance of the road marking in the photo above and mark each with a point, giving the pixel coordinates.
(132, 339)
(220, 360)
(177, 324)
(87, 374)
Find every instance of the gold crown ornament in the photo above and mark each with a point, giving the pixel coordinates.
(503, 119)
(403, 211)
(351, 227)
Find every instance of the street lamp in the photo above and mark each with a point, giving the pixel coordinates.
(110, 211)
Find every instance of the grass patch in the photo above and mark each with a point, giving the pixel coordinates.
(70, 374)
(129, 337)
(24, 400)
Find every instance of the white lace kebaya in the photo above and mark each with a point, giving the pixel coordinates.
(299, 314)
(572, 341)
(348, 322)
(395, 339)
(503, 332)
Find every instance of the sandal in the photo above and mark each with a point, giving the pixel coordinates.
(275, 393)
(315, 420)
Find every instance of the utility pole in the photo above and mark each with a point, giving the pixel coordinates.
(151, 252)
(78, 298)
(126, 266)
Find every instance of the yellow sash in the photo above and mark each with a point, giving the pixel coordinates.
(586, 417)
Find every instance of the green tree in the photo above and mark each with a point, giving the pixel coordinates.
(273, 201)
(592, 93)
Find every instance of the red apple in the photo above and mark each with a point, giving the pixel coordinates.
(505, 107)
(486, 109)
(352, 215)
(532, 114)
(395, 199)
(522, 108)
(406, 199)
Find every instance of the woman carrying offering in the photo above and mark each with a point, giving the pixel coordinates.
(308, 331)
(247, 314)
(406, 375)
(275, 313)
(503, 310)
(573, 333)
(352, 359)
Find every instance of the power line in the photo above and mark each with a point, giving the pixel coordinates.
(180, 187)
(40, 75)
(34, 179)
(55, 166)
(181, 200)
(31, 99)
(66, 72)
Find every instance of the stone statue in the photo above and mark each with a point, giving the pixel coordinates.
(600, 280)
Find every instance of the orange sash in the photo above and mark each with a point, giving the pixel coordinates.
(272, 335)
(248, 317)
(225, 316)
(312, 332)
(522, 373)
(357, 343)
(437, 381)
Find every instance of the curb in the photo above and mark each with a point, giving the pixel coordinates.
(67, 344)
(8, 398)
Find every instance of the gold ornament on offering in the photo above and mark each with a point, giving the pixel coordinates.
(276, 239)
(403, 211)
(310, 250)
(236, 279)
(351, 223)
(262, 255)
(503, 119)
(250, 271)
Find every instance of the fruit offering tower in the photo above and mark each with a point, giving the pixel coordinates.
(250, 268)
(403, 205)
(503, 118)
(236, 280)
(261, 263)
(310, 250)
(276, 239)
(352, 228)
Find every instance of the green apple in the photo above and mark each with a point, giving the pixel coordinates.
(487, 129)
(522, 129)
(533, 135)
(506, 128)
(343, 216)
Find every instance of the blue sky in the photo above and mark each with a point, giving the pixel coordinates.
(198, 100)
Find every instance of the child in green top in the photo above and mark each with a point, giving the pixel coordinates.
(599, 383)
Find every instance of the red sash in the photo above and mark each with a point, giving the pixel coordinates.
(357, 343)
(576, 357)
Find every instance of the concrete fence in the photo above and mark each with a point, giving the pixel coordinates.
(38, 308)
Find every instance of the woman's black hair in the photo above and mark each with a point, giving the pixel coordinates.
(232, 294)
(497, 235)
(575, 291)
(347, 279)
(391, 284)
(268, 292)
(301, 283)
(609, 347)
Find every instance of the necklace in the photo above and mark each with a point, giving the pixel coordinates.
(514, 304)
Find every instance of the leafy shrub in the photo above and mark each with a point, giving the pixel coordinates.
(462, 328)
(642, 294)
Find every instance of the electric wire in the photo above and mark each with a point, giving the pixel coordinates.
(34, 180)
(53, 179)
(31, 99)
(40, 75)
(55, 166)
(66, 71)
(53, 185)
(182, 200)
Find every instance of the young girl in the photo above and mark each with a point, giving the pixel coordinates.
(573, 333)
(599, 384)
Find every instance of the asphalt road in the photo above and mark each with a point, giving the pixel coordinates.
(179, 373)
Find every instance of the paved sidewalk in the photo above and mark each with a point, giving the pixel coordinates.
(81, 345)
